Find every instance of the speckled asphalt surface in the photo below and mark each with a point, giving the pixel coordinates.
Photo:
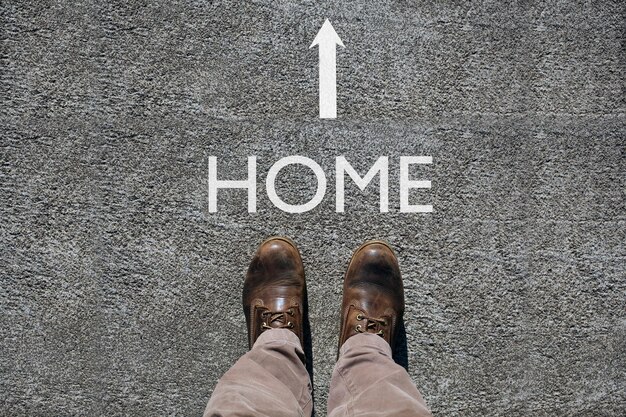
(120, 292)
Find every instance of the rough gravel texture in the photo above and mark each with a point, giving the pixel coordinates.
(120, 293)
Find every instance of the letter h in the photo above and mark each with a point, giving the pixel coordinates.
(215, 184)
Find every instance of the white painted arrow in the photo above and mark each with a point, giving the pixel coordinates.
(327, 39)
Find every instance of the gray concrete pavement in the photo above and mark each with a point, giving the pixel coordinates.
(120, 293)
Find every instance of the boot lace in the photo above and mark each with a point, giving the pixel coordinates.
(372, 325)
(277, 319)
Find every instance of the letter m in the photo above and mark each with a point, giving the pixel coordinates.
(342, 166)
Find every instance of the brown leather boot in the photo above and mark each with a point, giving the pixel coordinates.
(373, 295)
(274, 289)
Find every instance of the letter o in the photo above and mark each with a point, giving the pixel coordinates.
(295, 208)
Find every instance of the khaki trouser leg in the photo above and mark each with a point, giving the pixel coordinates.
(270, 380)
(367, 382)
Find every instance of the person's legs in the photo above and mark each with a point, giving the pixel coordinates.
(366, 381)
(271, 379)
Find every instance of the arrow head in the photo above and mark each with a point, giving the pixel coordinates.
(326, 35)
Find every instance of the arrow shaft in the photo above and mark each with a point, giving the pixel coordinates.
(328, 81)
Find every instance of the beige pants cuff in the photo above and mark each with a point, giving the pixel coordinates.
(366, 382)
(268, 381)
